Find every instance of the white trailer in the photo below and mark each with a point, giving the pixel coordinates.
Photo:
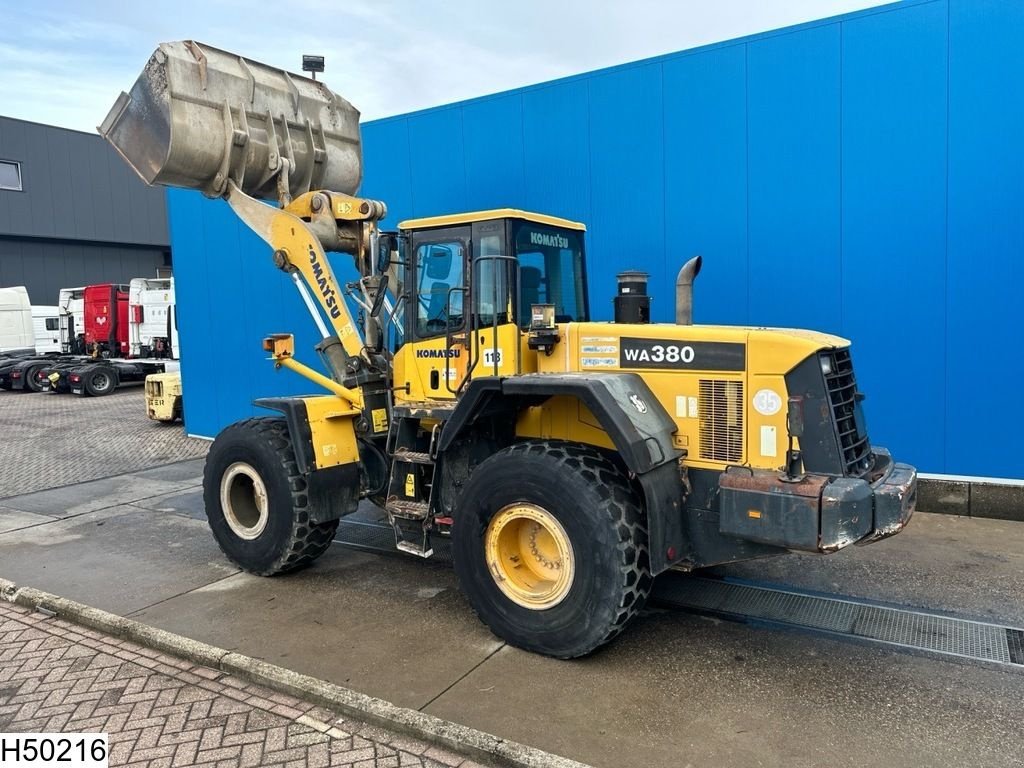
(16, 334)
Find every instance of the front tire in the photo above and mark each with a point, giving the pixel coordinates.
(550, 547)
(257, 502)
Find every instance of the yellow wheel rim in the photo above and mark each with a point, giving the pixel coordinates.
(529, 556)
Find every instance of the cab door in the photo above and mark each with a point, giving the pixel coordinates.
(435, 358)
(495, 277)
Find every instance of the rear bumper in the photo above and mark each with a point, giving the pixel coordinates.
(818, 513)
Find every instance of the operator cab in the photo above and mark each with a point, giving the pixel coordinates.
(468, 282)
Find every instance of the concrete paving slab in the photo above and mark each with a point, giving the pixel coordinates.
(119, 559)
(680, 690)
(13, 519)
(966, 566)
(71, 500)
(387, 626)
(188, 503)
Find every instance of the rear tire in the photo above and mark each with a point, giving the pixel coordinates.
(257, 502)
(550, 547)
(31, 378)
(100, 382)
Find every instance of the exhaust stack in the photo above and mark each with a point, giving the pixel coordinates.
(684, 290)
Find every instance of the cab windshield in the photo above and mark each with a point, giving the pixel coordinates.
(551, 271)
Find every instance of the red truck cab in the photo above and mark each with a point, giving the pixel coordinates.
(106, 319)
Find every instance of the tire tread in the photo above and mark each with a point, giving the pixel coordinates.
(307, 541)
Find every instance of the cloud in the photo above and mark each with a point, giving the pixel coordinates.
(65, 62)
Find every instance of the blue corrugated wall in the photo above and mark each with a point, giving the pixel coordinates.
(862, 175)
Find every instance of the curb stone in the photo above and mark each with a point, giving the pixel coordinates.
(474, 744)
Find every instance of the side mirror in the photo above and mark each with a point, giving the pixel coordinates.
(387, 243)
(795, 417)
(378, 300)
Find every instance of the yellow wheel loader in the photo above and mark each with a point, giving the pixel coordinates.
(472, 397)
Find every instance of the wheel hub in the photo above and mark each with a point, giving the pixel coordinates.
(529, 556)
(243, 497)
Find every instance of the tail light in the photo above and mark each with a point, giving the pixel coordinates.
(15, 374)
(74, 378)
(137, 313)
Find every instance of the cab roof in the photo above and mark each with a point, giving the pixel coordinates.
(495, 213)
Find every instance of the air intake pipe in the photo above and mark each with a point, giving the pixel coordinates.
(684, 291)
(631, 302)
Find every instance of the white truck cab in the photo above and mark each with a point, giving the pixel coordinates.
(71, 320)
(46, 329)
(152, 326)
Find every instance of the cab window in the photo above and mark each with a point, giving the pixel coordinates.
(491, 281)
(439, 268)
(551, 271)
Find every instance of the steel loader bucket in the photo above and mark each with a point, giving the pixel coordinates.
(198, 116)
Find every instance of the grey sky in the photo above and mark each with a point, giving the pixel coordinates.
(63, 62)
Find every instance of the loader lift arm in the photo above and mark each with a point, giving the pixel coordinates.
(341, 222)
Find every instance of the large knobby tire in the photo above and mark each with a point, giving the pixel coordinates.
(257, 502)
(571, 510)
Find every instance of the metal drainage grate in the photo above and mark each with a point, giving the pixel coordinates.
(369, 530)
(894, 626)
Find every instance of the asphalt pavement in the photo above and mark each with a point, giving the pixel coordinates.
(676, 689)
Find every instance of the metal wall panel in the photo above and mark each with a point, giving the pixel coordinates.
(793, 171)
(76, 188)
(894, 224)
(627, 181)
(808, 166)
(706, 178)
(437, 162)
(986, 239)
(556, 142)
(492, 135)
(44, 267)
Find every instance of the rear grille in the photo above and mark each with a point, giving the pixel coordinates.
(842, 393)
(721, 420)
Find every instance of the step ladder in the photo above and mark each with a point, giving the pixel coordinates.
(411, 487)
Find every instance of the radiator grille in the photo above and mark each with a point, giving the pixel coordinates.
(721, 420)
(842, 393)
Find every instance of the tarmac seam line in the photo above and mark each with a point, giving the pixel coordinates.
(137, 611)
(462, 677)
(462, 739)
